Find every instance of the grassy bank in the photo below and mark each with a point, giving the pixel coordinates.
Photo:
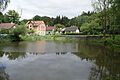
(109, 43)
(3, 40)
(36, 38)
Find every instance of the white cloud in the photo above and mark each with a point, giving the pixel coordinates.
(50, 8)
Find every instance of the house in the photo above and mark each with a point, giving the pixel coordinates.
(50, 30)
(7, 25)
(38, 26)
(71, 30)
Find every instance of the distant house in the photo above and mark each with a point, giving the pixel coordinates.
(50, 30)
(38, 26)
(7, 25)
(71, 30)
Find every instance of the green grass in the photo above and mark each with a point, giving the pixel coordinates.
(34, 38)
(3, 40)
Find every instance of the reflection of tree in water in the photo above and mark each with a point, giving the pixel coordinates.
(106, 63)
(3, 74)
(61, 53)
(13, 55)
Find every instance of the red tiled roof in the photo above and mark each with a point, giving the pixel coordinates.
(35, 23)
(49, 28)
(6, 25)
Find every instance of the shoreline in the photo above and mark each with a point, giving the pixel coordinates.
(94, 39)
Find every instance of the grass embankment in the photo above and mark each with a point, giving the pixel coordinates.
(34, 38)
(109, 43)
(54, 37)
(2, 40)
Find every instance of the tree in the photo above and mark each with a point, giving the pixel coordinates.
(1, 17)
(37, 18)
(65, 21)
(102, 7)
(59, 27)
(12, 16)
(18, 31)
(57, 20)
(3, 4)
(47, 20)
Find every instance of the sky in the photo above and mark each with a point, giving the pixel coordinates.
(52, 8)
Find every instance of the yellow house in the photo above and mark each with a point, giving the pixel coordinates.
(38, 26)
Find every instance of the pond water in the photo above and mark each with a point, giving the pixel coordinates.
(57, 60)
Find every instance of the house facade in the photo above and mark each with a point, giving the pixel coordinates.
(50, 30)
(38, 27)
(71, 30)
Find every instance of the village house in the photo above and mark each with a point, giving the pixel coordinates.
(38, 26)
(7, 25)
(70, 30)
(50, 30)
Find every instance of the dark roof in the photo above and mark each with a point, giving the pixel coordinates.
(6, 25)
(71, 29)
(49, 28)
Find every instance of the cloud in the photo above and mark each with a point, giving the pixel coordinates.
(52, 8)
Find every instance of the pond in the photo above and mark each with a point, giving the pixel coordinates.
(57, 60)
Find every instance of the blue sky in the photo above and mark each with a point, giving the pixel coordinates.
(51, 8)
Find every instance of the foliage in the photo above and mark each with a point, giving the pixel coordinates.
(59, 27)
(91, 28)
(12, 16)
(19, 31)
(4, 31)
(103, 6)
(109, 42)
(46, 19)
(3, 4)
(1, 17)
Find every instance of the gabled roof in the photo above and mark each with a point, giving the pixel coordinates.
(49, 28)
(71, 29)
(35, 23)
(6, 25)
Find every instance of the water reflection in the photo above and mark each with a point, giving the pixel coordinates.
(106, 63)
(13, 55)
(102, 62)
(3, 74)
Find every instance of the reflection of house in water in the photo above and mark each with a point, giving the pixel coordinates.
(3, 74)
(37, 53)
(51, 46)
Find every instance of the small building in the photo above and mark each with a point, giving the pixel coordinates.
(4, 29)
(71, 30)
(7, 25)
(38, 26)
(50, 30)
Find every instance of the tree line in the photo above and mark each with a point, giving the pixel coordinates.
(105, 19)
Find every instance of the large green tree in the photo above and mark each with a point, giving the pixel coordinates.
(12, 16)
(102, 7)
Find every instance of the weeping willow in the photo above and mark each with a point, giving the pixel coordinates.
(3, 4)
